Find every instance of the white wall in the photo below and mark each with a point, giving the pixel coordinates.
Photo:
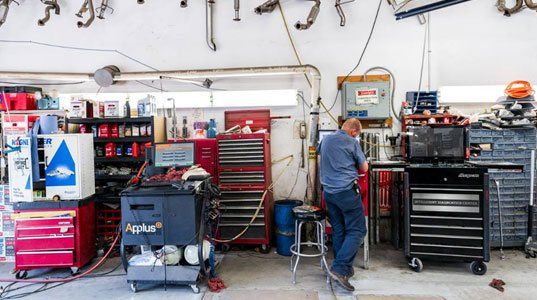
(472, 44)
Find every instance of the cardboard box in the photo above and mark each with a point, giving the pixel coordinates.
(81, 109)
(16, 124)
(111, 109)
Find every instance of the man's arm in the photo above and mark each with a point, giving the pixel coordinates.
(361, 161)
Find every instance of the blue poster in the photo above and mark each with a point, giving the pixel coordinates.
(61, 170)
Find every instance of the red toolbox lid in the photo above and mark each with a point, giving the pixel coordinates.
(255, 118)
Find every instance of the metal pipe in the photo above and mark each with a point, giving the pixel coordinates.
(509, 11)
(237, 7)
(4, 5)
(52, 4)
(266, 7)
(86, 6)
(209, 24)
(103, 8)
(341, 13)
(314, 12)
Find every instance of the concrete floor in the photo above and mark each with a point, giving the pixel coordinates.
(250, 275)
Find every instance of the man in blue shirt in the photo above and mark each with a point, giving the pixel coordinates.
(341, 159)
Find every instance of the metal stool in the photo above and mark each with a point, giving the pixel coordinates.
(305, 214)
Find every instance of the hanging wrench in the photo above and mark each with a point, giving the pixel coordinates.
(311, 17)
(209, 24)
(266, 7)
(86, 6)
(103, 8)
(237, 7)
(51, 4)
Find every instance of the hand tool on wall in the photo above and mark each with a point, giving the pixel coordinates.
(4, 10)
(103, 8)
(183, 3)
(266, 7)
(50, 5)
(87, 6)
(340, 11)
(209, 24)
(530, 4)
(311, 17)
(237, 7)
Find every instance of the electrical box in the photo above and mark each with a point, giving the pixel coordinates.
(366, 100)
(69, 166)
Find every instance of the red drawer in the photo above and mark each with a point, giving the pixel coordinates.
(44, 231)
(60, 242)
(45, 222)
(43, 259)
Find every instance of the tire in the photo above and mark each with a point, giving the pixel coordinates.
(415, 264)
(134, 287)
(21, 274)
(478, 268)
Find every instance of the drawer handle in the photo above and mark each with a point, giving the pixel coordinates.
(64, 229)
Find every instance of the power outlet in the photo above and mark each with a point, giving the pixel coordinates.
(326, 123)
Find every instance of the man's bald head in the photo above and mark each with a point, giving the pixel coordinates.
(352, 126)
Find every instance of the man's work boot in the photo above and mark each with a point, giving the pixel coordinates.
(341, 280)
(351, 274)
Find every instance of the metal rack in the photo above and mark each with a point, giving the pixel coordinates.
(244, 170)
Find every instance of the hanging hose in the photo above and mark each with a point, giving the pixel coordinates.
(57, 280)
(519, 89)
(261, 202)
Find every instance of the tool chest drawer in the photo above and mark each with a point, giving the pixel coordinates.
(44, 222)
(60, 242)
(36, 259)
(44, 231)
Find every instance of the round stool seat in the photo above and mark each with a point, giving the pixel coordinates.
(309, 213)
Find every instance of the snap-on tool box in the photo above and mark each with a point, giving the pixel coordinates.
(54, 234)
(244, 171)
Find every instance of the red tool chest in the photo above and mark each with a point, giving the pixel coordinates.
(256, 119)
(54, 234)
(244, 170)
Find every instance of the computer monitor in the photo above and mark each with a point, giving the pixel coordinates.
(430, 144)
(173, 155)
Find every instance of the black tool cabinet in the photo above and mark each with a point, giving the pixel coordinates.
(446, 215)
(169, 215)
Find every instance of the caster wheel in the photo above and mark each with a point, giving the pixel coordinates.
(415, 264)
(74, 270)
(478, 267)
(195, 288)
(226, 248)
(21, 274)
(134, 287)
(265, 249)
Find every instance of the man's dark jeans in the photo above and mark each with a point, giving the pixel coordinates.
(346, 214)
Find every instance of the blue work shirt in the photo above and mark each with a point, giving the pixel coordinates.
(341, 155)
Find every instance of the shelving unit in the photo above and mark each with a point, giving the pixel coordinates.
(157, 135)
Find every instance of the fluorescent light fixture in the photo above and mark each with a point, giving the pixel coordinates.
(411, 8)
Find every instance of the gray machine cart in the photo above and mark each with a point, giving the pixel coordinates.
(158, 216)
